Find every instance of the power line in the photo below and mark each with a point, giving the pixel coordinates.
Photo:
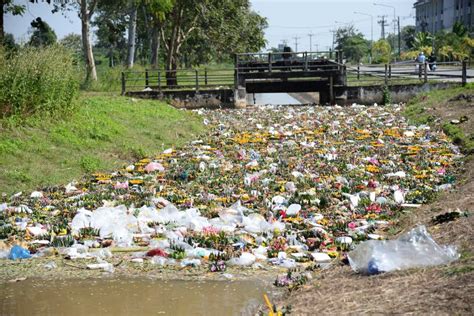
(313, 27)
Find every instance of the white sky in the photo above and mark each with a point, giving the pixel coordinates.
(286, 18)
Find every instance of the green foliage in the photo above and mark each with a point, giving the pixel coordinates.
(387, 96)
(459, 138)
(459, 29)
(43, 34)
(352, 43)
(422, 40)
(408, 37)
(90, 164)
(73, 42)
(14, 9)
(9, 43)
(381, 52)
(37, 81)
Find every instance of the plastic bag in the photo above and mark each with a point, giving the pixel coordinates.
(245, 259)
(18, 252)
(413, 249)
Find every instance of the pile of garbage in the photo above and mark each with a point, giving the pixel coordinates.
(269, 185)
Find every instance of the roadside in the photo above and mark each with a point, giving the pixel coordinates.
(439, 290)
(103, 134)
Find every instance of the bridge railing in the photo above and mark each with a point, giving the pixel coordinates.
(281, 61)
(407, 72)
(181, 79)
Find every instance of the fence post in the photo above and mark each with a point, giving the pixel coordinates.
(464, 72)
(123, 83)
(270, 62)
(205, 76)
(358, 71)
(390, 71)
(197, 80)
(425, 69)
(147, 79)
(331, 90)
(306, 61)
(159, 80)
(236, 71)
(386, 74)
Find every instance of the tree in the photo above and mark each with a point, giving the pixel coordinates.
(381, 51)
(352, 43)
(7, 6)
(421, 40)
(222, 25)
(43, 34)
(408, 37)
(111, 24)
(459, 29)
(132, 29)
(85, 10)
(9, 43)
(73, 42)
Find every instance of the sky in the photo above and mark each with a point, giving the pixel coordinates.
(287, 19)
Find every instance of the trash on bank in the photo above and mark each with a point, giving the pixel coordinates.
(266, 187)
(18, 252)
(414, 249)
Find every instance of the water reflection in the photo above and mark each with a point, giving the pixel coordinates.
(271, 98)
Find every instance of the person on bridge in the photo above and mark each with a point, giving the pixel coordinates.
(421, 58)
(420, 62)
(432, 61)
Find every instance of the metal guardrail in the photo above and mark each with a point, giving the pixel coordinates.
(168, 80)
(411, 72)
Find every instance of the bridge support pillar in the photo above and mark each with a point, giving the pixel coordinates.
(240, 97)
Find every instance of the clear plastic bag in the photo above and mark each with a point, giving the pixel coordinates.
(413, 249)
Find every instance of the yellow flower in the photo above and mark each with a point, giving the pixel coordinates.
(372, 169)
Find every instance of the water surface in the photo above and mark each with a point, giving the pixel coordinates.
(130, 297)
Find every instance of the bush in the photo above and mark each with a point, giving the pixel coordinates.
(37, 81)
(387, 96)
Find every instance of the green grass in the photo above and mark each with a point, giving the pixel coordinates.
(416, 113)
(103, 134)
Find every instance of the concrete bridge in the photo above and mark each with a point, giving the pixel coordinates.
(289, 72)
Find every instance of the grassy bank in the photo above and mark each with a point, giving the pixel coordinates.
(449, 110)
(102, 134)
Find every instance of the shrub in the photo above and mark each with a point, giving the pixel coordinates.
(387, 96)
(37, 81)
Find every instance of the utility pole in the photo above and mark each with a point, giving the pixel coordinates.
(310, 41)
(383, 24)
(399, 39)
(333, 37)
(296, 38)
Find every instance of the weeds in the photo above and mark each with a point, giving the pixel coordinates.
(37, 81)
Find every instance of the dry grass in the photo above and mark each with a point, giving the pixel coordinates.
(442, 290)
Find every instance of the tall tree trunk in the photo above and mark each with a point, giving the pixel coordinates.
(155, 47)
(111, 56)
(2, 32)
(132, 30)
(171, 58)
(86, 42)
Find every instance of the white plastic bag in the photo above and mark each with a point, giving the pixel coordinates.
(413, 249)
